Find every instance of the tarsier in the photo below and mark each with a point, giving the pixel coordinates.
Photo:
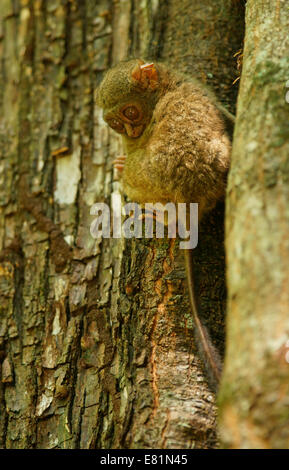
(177, 149)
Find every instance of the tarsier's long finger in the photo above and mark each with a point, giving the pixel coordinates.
(119, 167)
(119, 162)
(120, 158)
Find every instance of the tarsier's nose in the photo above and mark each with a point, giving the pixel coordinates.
(133, 132)
(129, 130)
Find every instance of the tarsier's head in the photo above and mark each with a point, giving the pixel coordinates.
(128, 94)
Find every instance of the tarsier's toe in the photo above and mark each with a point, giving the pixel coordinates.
(119, 162)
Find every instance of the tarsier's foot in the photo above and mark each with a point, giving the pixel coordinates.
(152, 214)
(119, 162)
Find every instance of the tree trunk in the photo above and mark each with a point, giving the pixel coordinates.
(255, 390)
(96, 347)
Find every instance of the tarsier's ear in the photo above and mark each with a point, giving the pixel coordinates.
(146, 75)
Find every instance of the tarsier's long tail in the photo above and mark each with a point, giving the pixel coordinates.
(207, 350)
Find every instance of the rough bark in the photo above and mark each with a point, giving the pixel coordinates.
(97, 348)
(255, 389)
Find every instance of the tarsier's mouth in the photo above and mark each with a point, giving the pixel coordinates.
(133, 131)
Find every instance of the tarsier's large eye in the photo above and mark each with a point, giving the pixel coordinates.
(116, 125)
(131, 113)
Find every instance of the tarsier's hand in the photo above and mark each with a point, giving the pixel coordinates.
(119, 162)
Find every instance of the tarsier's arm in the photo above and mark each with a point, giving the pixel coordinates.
(177, 150)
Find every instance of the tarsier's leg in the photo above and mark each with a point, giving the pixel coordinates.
(119, 162)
